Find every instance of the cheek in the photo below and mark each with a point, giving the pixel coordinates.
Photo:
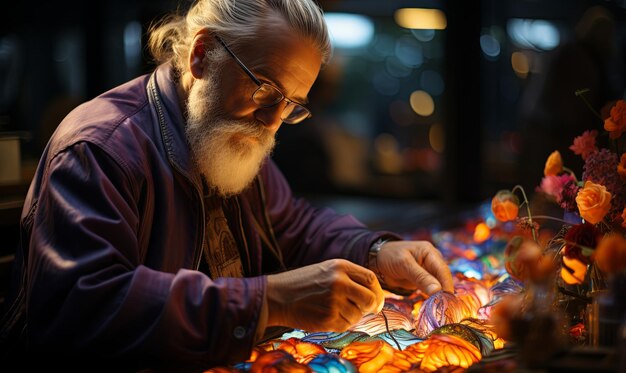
(236, 95)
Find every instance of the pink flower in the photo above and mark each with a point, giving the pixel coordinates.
(568, 196)
(585, 144)
(553, 185)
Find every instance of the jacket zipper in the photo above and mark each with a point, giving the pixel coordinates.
(157, 102)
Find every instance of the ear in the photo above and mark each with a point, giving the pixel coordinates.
(202, 42)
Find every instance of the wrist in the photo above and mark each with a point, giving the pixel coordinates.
(374, 250)
(274, 293)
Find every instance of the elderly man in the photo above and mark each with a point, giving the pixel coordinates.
(157, 230)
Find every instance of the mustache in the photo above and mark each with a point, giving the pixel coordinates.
(247, 128)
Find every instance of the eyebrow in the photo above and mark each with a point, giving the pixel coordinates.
(300, 100)
(253, 76)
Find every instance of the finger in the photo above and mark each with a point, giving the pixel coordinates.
(368, 281)
(434, 264)
(350, 314)
(365, 298)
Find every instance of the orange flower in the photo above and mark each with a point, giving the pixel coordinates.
(593, 201)
(621, 167)
(616, 122)
(624, 218)
(505, 205)
(554, 164)
(610, 256)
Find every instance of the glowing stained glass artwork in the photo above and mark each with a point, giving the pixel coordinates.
(278, 361)
(303, 352)
(414, 333)
(368, 356)
(335, 342)
(331, 363)
(442, 350)
(476, 332)
(375, 323)
(440, 309)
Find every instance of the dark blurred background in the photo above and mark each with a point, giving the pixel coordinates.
(418, 117)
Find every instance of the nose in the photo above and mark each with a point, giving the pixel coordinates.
(270, 116)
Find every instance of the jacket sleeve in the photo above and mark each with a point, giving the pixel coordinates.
(89, 292)
(307, 234)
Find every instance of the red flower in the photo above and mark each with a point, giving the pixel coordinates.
(585, 144)
(578, 236)
(577, 331)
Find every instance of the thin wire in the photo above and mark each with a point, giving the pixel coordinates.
(389, 331)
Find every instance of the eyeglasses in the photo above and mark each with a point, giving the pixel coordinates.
(267, 95)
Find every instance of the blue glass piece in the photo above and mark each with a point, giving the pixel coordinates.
(330, 363)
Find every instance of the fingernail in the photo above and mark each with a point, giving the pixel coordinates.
(432, 288)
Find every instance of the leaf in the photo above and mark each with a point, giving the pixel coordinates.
(587, 251)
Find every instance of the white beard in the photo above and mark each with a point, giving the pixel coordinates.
(229, 153)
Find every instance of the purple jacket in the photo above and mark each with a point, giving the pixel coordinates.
(112, 232)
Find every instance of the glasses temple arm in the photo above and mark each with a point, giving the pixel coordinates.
(243, 67)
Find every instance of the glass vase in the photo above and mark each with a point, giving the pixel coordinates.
(605, 313)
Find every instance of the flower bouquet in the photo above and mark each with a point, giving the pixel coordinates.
(586, 256)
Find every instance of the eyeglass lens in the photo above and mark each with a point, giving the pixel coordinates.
(267, 95)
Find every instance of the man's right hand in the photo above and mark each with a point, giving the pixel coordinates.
(328, 296)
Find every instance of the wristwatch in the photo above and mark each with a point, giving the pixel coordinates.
(373, 258)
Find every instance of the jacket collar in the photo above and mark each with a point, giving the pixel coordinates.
(164, 98)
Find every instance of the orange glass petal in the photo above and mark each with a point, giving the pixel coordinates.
(445, 350)
(573, 271)
(481, 233)
(368, 356)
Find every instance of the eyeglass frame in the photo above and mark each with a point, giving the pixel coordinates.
(259, 83)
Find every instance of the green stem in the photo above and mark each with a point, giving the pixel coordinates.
(581, 93)
(546, 217)
(530, 216)
(569, 171)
